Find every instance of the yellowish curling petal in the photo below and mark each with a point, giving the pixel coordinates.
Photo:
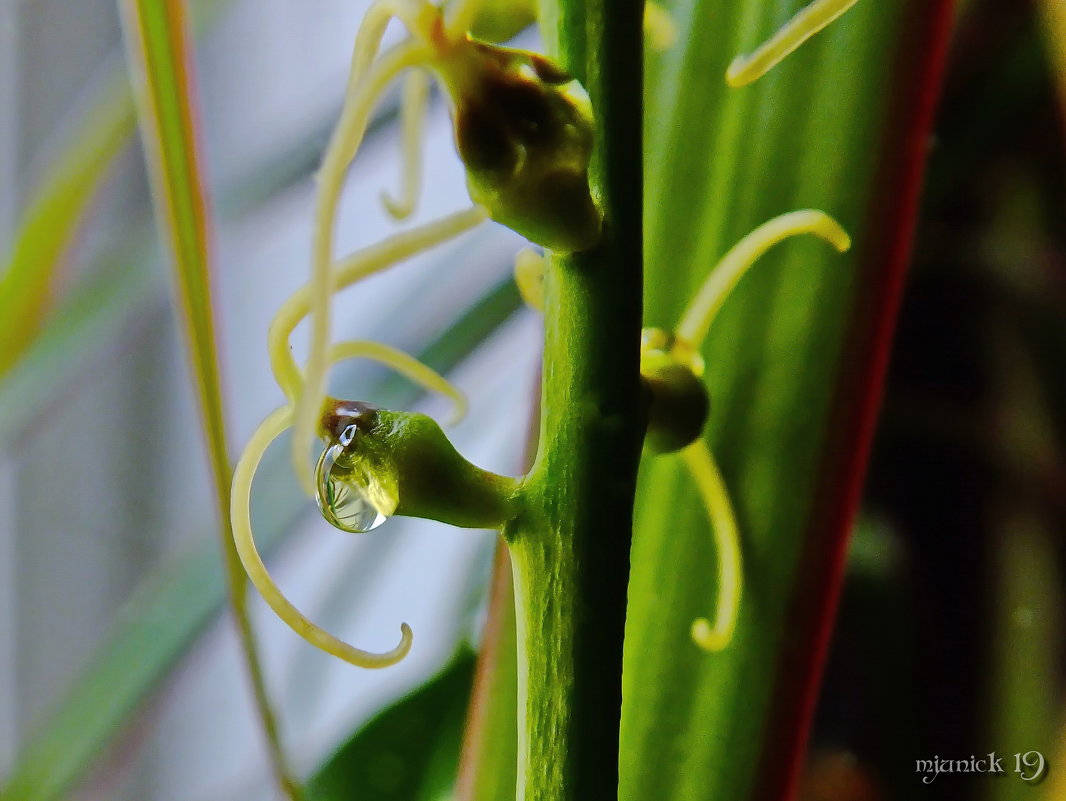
(807, 22)
(240, 516)
(354, 268)
(415, 99)
(406, 365)
(721, 281)
(342, 149)
(715, 496)
(529, 275)
(419, 16)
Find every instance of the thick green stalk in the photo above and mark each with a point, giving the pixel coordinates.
(570, 548)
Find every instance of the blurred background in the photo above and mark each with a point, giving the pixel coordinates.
(104, 496)
(950, 635)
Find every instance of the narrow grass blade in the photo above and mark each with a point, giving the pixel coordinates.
(160, 59)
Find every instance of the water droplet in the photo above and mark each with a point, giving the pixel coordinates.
(353, 493)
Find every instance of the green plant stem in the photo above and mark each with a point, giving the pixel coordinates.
(570, 548)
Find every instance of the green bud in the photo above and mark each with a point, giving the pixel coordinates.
(680, 403)
(378, 463)
(500, 20)
(524, 129)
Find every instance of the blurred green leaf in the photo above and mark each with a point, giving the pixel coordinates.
(49, 226)
(794, 364)
(159, 55)
(409, 751)
(149, 636)
(95, 312)
(160, 59)
(47, 229)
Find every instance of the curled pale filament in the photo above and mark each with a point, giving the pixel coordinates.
(701, 312)
(406, 365)
(240, 507)
(342, 148)
(435, 42)
(418, 15)
(354, 268)
(369, 78)
(807, 22)
(682, 349)
(240, 514)
(715, 497)
(413, 112)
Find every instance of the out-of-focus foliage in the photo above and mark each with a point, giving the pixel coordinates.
(949, 640)
(410, 750)
(29, 276)
(951, 632)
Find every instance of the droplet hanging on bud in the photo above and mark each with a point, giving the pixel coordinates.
(524, 129)
(355, 486)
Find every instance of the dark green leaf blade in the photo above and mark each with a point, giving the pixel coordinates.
(410, 751)
(817, 132)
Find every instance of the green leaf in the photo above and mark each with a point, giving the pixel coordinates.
(173, 605)
(153, 631)
(159, 55)
(488, 770)
(96, 311)
(48, 228)
(794, 365)
(160, 59)
(409, 751)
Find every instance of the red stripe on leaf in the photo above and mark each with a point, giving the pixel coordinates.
(888, 249)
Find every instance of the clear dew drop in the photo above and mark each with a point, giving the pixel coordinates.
(350, 493)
